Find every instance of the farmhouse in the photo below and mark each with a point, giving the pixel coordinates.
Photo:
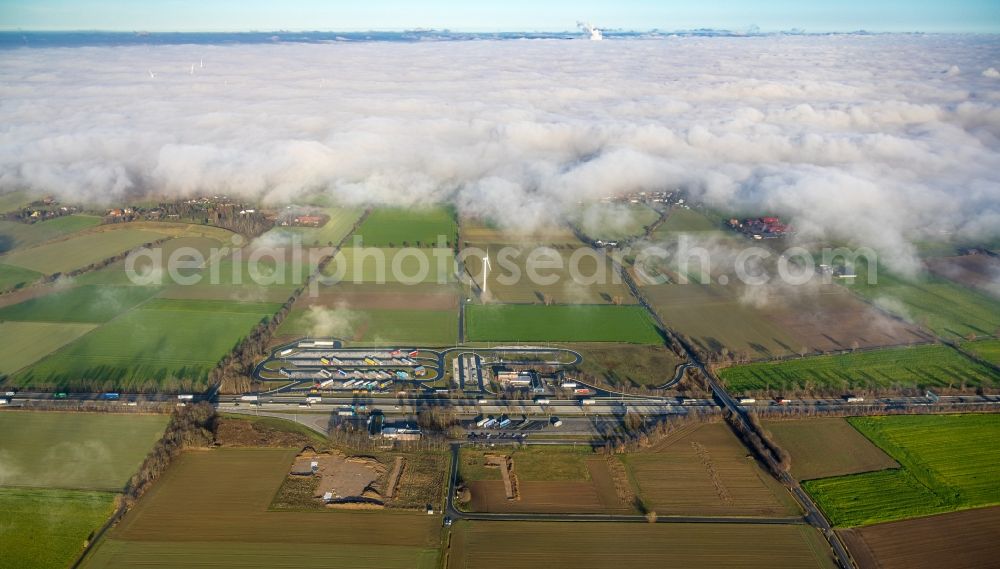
(761, 228)
(309, 220)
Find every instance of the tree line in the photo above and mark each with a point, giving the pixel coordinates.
(234, 372)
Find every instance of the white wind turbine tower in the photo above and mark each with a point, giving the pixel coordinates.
(151, 74)
(486, 272)
(192, 69)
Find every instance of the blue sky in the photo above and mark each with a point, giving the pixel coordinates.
(493, 15)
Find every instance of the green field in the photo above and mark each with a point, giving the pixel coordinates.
(164, 344)
(27, 342)
(84, 451)
(14, 234)
(575, 278)
(394, 227)
(614, 221)
(387, 265)
(12, 201)
(16, 277)
(115, 273)
(68, 254)
(578, 323)
(683, 220)
(918, 366)
(422, 327)
(89, 303)
(47, 528)
(948, 309)
(341, 221)
(948, 463)
(989, 350)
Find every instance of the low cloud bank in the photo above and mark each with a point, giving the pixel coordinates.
(883, 139)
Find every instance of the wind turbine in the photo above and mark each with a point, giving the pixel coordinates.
(192, 69)
(151, 74)
(201, 63)
(486, 272)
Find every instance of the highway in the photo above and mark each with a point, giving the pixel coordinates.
(726, 401)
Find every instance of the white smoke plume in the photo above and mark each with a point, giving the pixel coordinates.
(337, 322)
(851, 137)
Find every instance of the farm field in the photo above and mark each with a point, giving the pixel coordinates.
(580, 323)
(550, 479)
(824, 447)
(321, 555)
(614, 221)
(422, 482)
(829, 318)
(395, 227)
(90, 303)
(966, 539)
(714, 319)
(989, 350)
(27, 342)
(341, 222)
(353, 265)
(75, 450)
(948, 463)
(974, 271)
(222, 496)
(15, 235)
(12, 277)
(164, 345)
(68, 254)
(928, 366)
(585, 279)
(569, 545)
(947, 309)
(626, 365)
(374, 326)
(11, 201)
(47, 528)
(115, 273)
(809, 319)
(705, 470)
(683, 220)
(388, 297)
(479, 231)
